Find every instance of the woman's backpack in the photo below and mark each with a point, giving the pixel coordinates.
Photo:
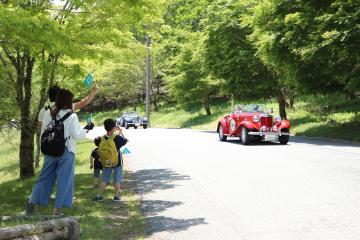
(53, 139)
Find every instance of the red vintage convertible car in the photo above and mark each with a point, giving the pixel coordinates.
(251, 123)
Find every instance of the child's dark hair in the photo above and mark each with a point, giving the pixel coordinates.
(109, 124)
(97, 141)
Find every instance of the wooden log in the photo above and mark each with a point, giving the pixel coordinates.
(63, 228)
(46, 236)
(29, 218)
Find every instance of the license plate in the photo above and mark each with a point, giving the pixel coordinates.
(137, 124)
(270, 137)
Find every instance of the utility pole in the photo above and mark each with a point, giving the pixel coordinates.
(148, 79)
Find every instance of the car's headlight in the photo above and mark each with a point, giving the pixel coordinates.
(277, 119)
(256, 119)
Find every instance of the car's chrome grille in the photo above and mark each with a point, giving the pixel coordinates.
(266, 121)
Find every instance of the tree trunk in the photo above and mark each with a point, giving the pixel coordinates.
(37, 155)
(27, 154)
(135, 104)
(45, 83)
(156, 96)
(292, 101)
(154, 102)
(23, 62)
(28, 128)
(282, 105)
(207, 104)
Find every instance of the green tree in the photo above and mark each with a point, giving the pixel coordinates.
(190, 83)
(310, 43)
(181, 48)
(230, 54)
(35, 36)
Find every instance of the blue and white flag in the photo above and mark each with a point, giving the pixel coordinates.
(88, 80)
(89, 119)
(125, 150)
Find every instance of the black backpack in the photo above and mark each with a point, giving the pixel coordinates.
(53, 139)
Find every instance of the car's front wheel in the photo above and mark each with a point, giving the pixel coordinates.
(245, 138)
(126, 125)
(135, 127)
(145, 126)
(284, 139)
(222, 136)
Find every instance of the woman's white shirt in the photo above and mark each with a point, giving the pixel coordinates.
(72, 128)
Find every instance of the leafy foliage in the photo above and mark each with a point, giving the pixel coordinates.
(39, 38)
(311, 43)
(230, 54)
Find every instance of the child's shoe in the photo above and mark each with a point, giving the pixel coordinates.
(98, 199)
(116, 199)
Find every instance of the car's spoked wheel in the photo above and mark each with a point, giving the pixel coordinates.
(222, 137)
(245, 138)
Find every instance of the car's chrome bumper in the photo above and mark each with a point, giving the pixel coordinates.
(269, 133)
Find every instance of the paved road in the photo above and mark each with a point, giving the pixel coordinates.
(195, 187)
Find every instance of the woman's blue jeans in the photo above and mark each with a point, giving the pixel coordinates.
(62, 169)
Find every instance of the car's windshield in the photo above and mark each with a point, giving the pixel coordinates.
(130, 115)
(251, 108)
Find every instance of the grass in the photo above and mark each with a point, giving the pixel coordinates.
(104, 220)
(329, 116)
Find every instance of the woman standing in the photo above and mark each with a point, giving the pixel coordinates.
(60, 168)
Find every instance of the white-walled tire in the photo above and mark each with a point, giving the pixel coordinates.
(245, 138)
(222, 136)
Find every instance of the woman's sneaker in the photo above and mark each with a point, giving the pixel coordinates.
(30, 209)
(116, 199)
(98, 198)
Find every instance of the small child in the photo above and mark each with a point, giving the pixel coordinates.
(96, 163)
(113, 134)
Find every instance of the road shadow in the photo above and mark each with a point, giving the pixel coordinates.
(323, 141)
(253, 143)
(152, 207)
(149, 180)
(155, 223)
(160, 224)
